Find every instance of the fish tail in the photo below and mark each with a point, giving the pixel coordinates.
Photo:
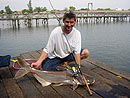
(20, 73)
(25, 68)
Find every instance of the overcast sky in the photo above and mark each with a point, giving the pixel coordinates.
(61, 4)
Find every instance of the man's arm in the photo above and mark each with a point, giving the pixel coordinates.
(77, 58)
(39, 61)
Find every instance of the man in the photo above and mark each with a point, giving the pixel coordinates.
(62, 42)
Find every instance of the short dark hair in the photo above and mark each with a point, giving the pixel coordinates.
(69, 14)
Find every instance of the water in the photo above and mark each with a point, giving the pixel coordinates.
(109, 43)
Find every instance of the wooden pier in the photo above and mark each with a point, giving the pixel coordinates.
(82, 16)
(110, 83)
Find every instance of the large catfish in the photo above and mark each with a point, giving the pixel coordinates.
(48, 77)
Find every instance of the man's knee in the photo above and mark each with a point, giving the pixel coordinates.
(84, 54)
(51, 64)
(49, 67)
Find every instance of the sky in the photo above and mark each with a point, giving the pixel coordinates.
(17, 5)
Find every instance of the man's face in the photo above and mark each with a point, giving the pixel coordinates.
(69, 23)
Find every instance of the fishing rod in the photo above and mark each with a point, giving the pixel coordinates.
(73, 68)
(55, 13)
(73, 54)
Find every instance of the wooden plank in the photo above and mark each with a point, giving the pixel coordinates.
(39, 51)
(88, 65)
(12, 88)
(112, 77)
(66, 92)
(119, 83)
(108, 75)
(81, 91)
(28, 88)
(10, 84)
(5, 73)
(3, 93)
(58, 90)
(109, 68)
(47, 92)
(36, 55)
(26, 55)
(105, 87)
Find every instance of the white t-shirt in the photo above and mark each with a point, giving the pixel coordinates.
(58, 46)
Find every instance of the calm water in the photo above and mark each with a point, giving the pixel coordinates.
(109, 43)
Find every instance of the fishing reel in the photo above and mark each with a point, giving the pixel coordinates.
(75, 70)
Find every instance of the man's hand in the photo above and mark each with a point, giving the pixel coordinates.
(36, 65)
(40, 60)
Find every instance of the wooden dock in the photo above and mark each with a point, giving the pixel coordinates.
(91, 16)
(110, 83)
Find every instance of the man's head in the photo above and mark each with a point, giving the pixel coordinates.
(69, 14)
(69, 20)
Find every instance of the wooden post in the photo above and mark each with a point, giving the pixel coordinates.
(18, 23)
(14, 23)
(29, 22)
(37, 22)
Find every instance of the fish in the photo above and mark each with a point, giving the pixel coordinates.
(46, 78)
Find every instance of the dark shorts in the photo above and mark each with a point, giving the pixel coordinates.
(51, 64)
